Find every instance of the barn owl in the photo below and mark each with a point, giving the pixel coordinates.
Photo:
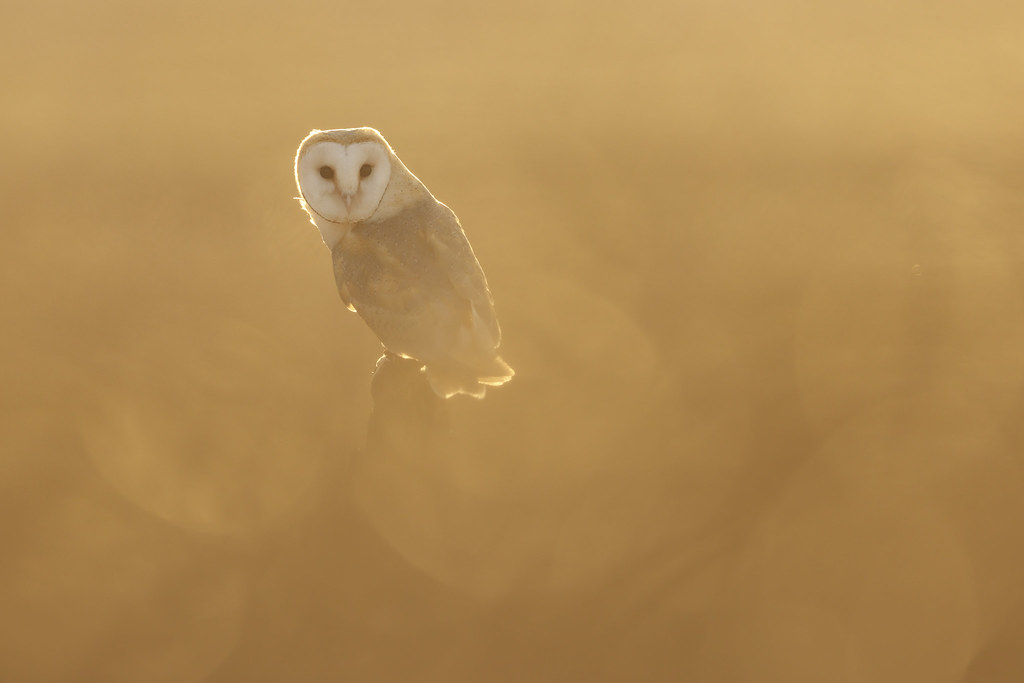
(401, 259)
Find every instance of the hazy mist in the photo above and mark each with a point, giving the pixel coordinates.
(758, 267)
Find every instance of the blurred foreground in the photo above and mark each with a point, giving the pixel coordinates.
(759, 271)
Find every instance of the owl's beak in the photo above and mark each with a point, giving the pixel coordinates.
(348, 201)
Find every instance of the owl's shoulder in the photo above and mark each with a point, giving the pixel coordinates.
(425, 211)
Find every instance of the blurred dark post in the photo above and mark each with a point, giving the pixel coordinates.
(408, 417)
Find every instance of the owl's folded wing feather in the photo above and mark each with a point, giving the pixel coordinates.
(452, 250)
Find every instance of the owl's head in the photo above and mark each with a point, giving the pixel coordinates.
(343, 174)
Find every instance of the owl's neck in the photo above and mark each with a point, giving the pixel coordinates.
(332, 233)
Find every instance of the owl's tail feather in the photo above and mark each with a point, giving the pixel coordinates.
(496, 374)
(449, 380)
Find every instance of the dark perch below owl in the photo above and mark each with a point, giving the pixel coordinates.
(408, 415)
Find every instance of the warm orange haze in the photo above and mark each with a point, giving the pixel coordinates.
(759, 269)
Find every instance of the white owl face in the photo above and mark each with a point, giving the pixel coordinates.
(343, 183)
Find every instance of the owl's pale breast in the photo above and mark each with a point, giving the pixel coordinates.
(395, 283)
(377, 260)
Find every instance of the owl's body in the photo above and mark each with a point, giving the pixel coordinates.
(401, 259)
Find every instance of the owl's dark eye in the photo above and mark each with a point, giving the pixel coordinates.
(326, 172)
(365, 170)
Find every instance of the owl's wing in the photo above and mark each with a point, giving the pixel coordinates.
(453, 252)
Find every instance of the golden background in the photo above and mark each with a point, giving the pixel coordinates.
(759, 270)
